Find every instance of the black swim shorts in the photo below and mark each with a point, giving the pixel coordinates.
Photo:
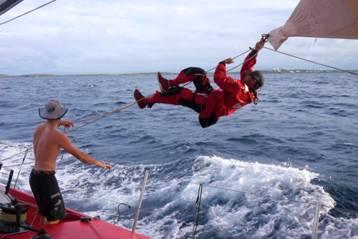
(47, 194)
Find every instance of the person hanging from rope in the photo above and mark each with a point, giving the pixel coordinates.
(47, 143)
(210, 103)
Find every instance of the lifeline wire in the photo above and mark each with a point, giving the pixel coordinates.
(25, 13)
(314, 62)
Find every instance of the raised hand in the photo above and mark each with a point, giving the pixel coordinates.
(260, 44)
(229, 61)
(66, 123)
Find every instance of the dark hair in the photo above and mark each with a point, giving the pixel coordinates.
(259, 79)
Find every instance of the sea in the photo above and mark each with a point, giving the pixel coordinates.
(263, 172)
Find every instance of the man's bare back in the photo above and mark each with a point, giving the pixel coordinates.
(47, 146)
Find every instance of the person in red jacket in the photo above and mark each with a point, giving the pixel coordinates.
(210, 103)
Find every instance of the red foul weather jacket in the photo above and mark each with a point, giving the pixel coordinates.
(233, 94)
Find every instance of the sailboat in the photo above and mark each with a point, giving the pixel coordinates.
(312, 18)
(20, 219)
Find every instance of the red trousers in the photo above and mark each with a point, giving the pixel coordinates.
(210, 107)
(183, 96)
(204, 100)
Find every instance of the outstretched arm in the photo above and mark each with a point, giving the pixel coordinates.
(80, 155)
(250, 60)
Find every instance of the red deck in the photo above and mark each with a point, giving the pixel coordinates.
(71, 227)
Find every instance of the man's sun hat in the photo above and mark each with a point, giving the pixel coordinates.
(53, 110)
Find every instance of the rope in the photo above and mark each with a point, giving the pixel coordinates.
(248, 59)
(243, 53)
(265, 38)
(314, 62)
(25, 13)
(103, 115)
(213, 68)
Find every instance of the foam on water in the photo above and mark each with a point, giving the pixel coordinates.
(239, 200)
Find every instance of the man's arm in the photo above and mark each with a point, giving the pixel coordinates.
(250, 60)
(66, 144)
(225, 82)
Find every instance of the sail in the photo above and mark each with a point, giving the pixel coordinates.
(319, 19)
(6, 5)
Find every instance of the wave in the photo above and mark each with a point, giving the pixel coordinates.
(239, 200)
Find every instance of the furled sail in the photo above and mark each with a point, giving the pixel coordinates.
(319, 19)
(6, 5)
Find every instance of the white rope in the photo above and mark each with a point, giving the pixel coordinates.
(314, 62)
(231, 58)
(243, 53)
(89, 120)
(247, 60)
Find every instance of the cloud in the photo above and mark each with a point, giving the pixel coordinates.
(113, 36)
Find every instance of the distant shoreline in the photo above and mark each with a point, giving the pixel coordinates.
(275, 71)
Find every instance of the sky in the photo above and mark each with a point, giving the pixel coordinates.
(117, 36)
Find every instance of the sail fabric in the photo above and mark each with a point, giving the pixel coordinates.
(319, 19)
(6, 5)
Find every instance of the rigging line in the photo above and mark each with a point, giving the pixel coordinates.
(263, 37)
(105, 114)
(25, 13)
(242, 63)
(213, 68)
(314, 62)
(243, 53)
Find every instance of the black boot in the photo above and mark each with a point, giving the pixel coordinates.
(141, 100)
(163, 83)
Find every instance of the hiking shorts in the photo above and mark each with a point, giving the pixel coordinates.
(47, 194)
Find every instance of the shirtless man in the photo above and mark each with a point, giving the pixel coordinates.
(47, 142)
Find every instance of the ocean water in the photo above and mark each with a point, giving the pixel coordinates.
(264, 170)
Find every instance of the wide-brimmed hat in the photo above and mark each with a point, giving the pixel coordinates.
(53, 110)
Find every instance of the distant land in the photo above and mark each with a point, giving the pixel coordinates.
(276, 70)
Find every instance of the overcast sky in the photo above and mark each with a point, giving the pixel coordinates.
(115, 36)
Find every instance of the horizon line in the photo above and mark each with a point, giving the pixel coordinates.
(275, 70)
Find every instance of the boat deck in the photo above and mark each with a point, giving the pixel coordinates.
(75, 226)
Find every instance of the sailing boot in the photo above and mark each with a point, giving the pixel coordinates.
(141, 100)
(163, 83)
